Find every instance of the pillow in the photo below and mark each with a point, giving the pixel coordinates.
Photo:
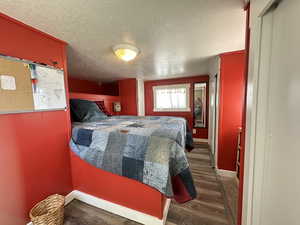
(86, 111)
(102, 108)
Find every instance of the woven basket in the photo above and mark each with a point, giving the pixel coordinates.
(49, 211)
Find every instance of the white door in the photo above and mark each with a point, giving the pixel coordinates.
(276, 194)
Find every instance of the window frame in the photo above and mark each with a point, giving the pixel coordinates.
(187, 86)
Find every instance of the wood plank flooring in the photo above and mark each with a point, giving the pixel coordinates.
(230, 185)
(209, 208)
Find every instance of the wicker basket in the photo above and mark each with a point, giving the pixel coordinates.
(49, 211)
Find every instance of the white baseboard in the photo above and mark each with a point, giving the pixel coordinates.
(118, 209)
(200, 140)
(166, 210)
(226, 173)
(69, 197)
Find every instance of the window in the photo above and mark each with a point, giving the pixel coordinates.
(172, 98)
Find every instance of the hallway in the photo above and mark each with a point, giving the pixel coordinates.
(208, 209)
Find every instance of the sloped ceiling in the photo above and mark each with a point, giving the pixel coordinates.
(176, 37)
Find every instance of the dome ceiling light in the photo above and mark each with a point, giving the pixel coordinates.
(126, 52)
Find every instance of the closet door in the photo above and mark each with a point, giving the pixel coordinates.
(279, 112)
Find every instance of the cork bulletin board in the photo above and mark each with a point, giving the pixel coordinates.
(29, 87)
(18, 98)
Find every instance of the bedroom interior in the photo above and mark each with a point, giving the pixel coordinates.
(115, 112)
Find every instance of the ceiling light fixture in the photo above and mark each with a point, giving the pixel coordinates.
(126, 52)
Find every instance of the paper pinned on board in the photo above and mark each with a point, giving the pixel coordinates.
(7, 82)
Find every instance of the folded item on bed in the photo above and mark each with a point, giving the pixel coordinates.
(150, 150)
(86, 111)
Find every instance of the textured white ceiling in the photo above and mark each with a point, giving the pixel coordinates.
(176, 37)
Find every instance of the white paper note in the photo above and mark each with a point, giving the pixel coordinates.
(7, 82)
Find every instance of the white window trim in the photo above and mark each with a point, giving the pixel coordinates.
(186, 86)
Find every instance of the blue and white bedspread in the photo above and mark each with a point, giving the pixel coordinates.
(150, 150)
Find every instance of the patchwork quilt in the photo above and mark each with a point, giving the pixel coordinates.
(150, 150)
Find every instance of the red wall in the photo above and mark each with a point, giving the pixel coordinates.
(83, 86)
(201, 132)
(34, 153)
(128, 96)
(111, 88)
(232, 91)
(92, 87)
(126, 89)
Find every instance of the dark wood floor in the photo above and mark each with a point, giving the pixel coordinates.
(208, 209)
(231, 189)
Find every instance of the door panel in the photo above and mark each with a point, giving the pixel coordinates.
(281, 182)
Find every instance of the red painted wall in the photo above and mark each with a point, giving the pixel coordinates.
(83, 86)
(201, 132)
(232, 91)
(111, 88)
(126, 89)
(128, 96)
(92, 87)
(34, 153)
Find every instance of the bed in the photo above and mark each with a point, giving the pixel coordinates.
(133, 161)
